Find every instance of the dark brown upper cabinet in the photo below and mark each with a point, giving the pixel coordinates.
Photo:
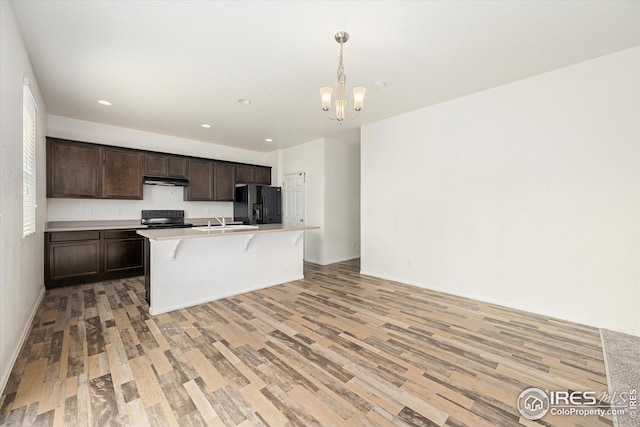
(84, 170)
(122, 173)
(223, 181)
(156, 164)
(248, 174)
(73, 169)
(263, 175)
(177, 167)
(200, 186)
(165, 165)
(245, 174)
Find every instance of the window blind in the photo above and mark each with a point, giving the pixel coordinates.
(29, 110)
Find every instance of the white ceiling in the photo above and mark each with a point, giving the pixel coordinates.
(169, 66)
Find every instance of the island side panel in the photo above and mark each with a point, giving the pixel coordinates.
(209, 269)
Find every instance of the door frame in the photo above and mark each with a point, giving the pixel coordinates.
(284, 200)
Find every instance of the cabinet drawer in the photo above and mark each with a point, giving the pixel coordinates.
(121, 234)
(68, 236)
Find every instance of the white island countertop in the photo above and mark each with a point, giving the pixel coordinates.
(217, 231)
(118, 224)
(186, 266)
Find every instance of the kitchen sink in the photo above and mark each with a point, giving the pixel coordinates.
(228, 227)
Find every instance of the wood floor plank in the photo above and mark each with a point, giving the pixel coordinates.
(30, 386)
(334, 349)
(147, 384)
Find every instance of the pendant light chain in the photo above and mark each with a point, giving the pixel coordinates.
(342, 79)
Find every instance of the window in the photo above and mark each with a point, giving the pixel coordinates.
(29, 109)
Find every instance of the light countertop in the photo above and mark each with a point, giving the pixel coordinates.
(123, 224)
(188, 233)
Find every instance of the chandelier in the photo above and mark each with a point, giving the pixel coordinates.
(341, 102)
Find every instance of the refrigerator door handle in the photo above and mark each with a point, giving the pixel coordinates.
(265, 210)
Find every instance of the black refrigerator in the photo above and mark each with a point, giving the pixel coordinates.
(258, 204)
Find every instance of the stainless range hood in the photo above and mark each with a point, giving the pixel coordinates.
(175, 182)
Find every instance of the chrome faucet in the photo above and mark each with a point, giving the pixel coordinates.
(222, 221)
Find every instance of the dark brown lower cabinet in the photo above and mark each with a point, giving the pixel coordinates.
(74, 257)
(123, 251)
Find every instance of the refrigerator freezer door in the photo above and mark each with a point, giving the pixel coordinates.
(272, 205)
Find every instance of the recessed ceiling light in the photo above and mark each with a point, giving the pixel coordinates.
(104, 102)
(269, 140)
(205, 125)
(244, 101)
(379, 84)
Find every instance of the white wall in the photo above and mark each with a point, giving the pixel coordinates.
(154, 197)
(342, 199)
(525, 195)
(332, 172)
(309, 158)
(21, 259)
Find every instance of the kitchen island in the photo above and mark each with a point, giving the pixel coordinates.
(190, 266)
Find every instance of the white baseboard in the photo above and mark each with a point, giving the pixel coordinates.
(23, 337)
(333, 261)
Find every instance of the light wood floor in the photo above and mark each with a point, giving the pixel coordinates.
(334, 349)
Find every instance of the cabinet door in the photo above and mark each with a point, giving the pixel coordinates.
(177, 167)
(155, 164)
(245, 174)
(121, 174)
(72, 169)
(263, 175)
(72, 261)
(224, 181)
(123, 251)
(200, 181)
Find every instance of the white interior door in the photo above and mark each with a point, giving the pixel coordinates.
(294, 201)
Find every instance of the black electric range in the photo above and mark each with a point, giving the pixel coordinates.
(163, 219)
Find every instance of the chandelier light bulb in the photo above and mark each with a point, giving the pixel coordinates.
(325, 97)
(358, 98)
(341, 109)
